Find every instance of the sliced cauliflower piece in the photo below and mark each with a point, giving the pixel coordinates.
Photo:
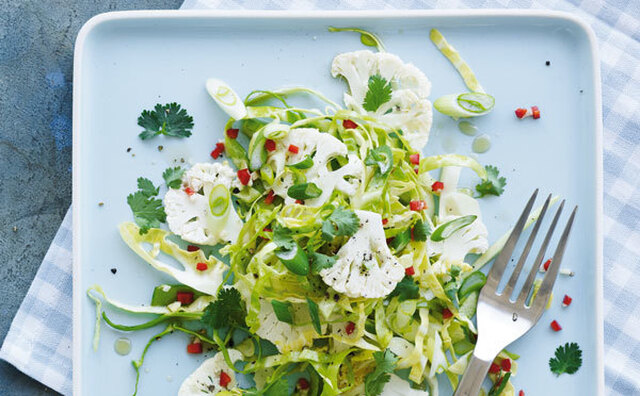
(206, 379)
(365, 266)
(189, 215)
(399, 387)
(408, 109)
(285, 337)
(323, 147)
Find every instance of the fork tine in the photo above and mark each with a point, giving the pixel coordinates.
(493, 279)
(526, 288)
(552, 274)
(508, 289)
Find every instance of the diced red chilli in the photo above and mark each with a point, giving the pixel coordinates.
(521, 393)
(244, 176)
(194, 348)
(446, 314)
(505, 364)
(385, 221)
(224, 379)
(192, 248)
(303, 384)
(494, 369)
(520, 112)
(389, 240)
(546, 265)
(417, 170)
(232, 133)
(415, 159)
(299, 202)
(202, 266)
(294, 149)
(535, 111)
(412, 236)
(566, 301)
(437, 186)
(350, 328)
(417, 206)
(185, 298)
(216, 153)
(267, 229)
(189, 191)
(270, 197)
(348, 124)
(410, 271)
(270, 145)
(556, 326)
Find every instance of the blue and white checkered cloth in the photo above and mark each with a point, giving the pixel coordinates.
(39, 341)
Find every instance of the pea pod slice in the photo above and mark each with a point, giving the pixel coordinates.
(295, 260)
(306, 163)
(447, 229)
(472, 283)
(219, 200)
(304, 191)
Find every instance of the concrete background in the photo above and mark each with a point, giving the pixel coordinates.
(36, 58)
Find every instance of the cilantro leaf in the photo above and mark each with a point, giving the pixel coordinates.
(385, 364)
(321, 261)
(568, 359)
(406, 289)
(379, 93)
(173, 177)
(493, 184)
(283, 311)
(147, 211)
(170, 120)
(282, 238)
(420, 231)
(341, 222)
(147, 188)
(227, 310)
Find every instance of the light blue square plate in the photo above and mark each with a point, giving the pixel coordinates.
(127, 62)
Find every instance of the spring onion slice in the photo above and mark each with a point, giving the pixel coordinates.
(456, 60)
(367, 38)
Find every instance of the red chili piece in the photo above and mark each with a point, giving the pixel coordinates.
(505, 364)
(566, 301)
(270, 197)
(521, 393)
(218, 150)
(415, 159)
(416, 169)
(224, 379)
(267, 229)
(546, 265)
(437, 186)
(194, 348)
(244, 176)
(350, 328)
(348, 124)
(535, 111)
(192, 248)
(189, 191)
(520, 112)
(410, 271)
(293, 148)
(232, 133)
(417, 206)
(185, 298)
(270, 145)
(412, 236)
(494, 369)
(202, 266)
(385, 221)
(446, 314)
(556, 326)
(303, 384)
(299, 202)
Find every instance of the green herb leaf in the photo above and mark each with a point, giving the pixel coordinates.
(170, 120)
(227, 310)
(304, 191)
(385, 364)
(282, 237)
(306, 163)
(315, 315)
(493, 184)
(406, 289)
(341, 222)
(400, 241)
(382, 157)
(289, 252)
(378, 94)
(447, 229)
(321, 261)
(147, 211)
(173, 177)
(568, 359)
(283, 311)
(421, 230)
(147, 188)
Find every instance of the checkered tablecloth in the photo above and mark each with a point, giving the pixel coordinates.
(39, 342)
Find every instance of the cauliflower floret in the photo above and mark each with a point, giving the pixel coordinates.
(190, 217)
(206, 379)
(408, 109)
(365, 266)
(285, 337)
(323, 147)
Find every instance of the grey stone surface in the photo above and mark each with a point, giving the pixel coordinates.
(36, 57)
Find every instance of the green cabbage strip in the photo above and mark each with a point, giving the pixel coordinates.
(280, 94)
(440, 161)
(493, 251)
(456, 60)
(367, 38)
(137, 364)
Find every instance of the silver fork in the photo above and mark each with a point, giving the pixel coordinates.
(502, 320)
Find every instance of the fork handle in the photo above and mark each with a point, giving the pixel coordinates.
(473, 377)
